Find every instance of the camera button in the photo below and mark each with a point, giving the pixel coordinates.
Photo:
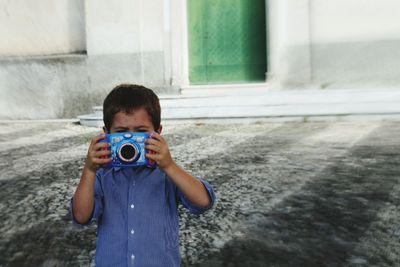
(127, 135)
(116, 139)
(139, 139)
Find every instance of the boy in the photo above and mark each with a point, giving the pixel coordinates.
(136, 208)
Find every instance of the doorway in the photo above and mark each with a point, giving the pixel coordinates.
(227, 41)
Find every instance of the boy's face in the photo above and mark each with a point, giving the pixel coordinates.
(137, 121)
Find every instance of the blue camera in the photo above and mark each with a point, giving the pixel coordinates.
(128, 149)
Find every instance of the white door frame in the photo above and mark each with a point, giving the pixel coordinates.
(178, 49)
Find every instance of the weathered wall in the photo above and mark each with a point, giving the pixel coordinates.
(356, 42)
(123, 40)
(41, 27)
(64, 87)
(334, 43)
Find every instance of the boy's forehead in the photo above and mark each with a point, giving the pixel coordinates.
(138, 117)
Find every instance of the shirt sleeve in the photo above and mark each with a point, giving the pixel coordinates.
(192, 207)
(98, 204)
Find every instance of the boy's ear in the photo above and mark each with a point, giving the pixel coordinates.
(105, 130)
(159, 129)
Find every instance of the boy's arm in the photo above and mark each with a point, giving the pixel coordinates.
(83, 200)
(192, 188)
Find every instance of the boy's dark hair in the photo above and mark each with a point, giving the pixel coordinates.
(129, 97)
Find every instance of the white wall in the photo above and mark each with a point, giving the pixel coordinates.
(334, 43)
(41, 27)
(356, 43)
(124, 26)
(126, 42)
(337, 21)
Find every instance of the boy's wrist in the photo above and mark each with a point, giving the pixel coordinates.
(90, 165)
(88, 171)
(171, 168)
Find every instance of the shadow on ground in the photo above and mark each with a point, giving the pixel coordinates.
(295, 194)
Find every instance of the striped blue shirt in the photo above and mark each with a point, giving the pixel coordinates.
(136, 210)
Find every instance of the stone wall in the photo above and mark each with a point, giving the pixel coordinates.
(63, 57)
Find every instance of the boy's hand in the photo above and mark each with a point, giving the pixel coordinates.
(98, 154)
(161, 155)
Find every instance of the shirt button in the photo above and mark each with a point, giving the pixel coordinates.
(132, 206)
(132, 231)
(132, 256)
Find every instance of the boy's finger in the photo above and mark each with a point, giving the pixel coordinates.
(98, 138)
(157, 137)
(102, 161)
(102, 153)
(152, 156)
(153, 141)
(101, 145)
(153, 148)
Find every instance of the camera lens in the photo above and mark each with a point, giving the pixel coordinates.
(128, 152)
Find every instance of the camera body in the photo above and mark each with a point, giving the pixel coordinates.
(128, 149)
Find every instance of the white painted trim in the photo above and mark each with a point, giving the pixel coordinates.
(140, 37)
(225, 89)
(167, 42)
(290, 26)
(227, 85)
(185, 45)
(179, 44)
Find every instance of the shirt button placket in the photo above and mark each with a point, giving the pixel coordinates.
(132, 231)
(130, 222)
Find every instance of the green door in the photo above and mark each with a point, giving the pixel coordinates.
(227, 41)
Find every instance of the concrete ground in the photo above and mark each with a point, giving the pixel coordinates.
(289, 194)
